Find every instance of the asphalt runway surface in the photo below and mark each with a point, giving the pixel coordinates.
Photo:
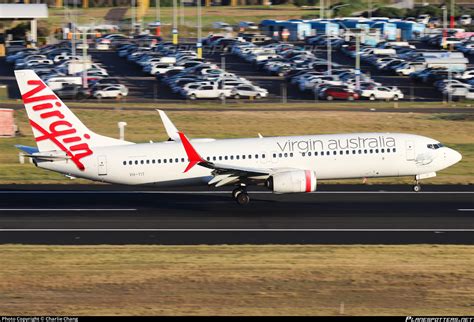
(337, 214)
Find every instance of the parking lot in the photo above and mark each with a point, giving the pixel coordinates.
(145, 88)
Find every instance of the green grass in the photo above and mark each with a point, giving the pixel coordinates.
(237, 280)
(143, 126)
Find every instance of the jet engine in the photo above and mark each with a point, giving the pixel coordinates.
(292, 181)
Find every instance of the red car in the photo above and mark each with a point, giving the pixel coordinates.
(332, 93)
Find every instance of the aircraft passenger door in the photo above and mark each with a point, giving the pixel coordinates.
(102, 165)
(410, 150)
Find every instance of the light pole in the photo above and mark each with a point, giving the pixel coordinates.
(158, 18)
(451, 24)
(199, 30)
(175, 22)
(445, 26)
(321, 9)
(369, 13)
(329, 33)
(357, 62)
(133, 13)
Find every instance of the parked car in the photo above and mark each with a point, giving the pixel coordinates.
(247, 90)
(112, 91)
(73, 92)
(382, 92)
(342, 93)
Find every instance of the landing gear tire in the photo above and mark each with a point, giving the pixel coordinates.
(243, 198)
(237, 191)
(417, 188)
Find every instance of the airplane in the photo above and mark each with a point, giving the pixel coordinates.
(289, 164)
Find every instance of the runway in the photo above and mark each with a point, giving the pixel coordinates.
(337, 214)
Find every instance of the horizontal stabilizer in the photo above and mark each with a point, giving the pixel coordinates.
(27, 149)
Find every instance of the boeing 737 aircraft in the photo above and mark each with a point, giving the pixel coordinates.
(283, 164)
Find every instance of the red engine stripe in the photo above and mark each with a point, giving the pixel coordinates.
(308, 180)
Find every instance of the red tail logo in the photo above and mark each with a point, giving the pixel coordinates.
(61, 132)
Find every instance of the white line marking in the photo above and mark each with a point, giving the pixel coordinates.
(66, 209)
(225, 192)
(465, 209)
(231, 230)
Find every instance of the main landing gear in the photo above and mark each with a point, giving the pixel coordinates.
(417, 186)
(241, 196)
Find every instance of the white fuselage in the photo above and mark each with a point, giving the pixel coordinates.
(335, 156)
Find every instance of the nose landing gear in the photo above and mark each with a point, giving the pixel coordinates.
(417, 186)
(241, 196)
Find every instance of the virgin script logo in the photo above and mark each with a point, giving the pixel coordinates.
(59, 131)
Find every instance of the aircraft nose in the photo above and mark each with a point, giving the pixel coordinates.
(454, 156)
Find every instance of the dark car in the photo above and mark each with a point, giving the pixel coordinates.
(73, 92)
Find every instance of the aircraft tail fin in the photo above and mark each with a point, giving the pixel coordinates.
(55, 126)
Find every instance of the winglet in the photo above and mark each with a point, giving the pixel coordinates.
(171, 130)
(193, 156)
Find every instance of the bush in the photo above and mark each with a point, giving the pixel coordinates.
(387, 12)
(300, 3)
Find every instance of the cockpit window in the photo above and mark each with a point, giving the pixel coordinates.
(435, 146)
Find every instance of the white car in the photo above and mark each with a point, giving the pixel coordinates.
(410, 67)
(465, 20)
(206, 91)
(247, 90)
(382, 92)
(423, 19)
(112, 91)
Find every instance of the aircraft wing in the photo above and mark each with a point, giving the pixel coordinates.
(223, 174)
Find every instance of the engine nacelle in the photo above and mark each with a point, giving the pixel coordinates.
(292, 181)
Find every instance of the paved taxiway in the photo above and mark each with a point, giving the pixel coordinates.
(99, 214)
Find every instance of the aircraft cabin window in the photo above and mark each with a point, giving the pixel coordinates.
(256, 156)
(263, 156)
(353, 151)
(347, 151)
(376, 150)
(164, 160)
(232, 157)
(393, 150)
(237, 157)
(250, 156)
(365, 151)
(383, 150)
(159, 160)
(220, 158)
(371, 151)
(176, 160)
(147, 161)
(341, 152)
(309, 154)
(286, 155)
(334, 152)
(225, 157)
(153, 161)
(279, 155)
(360, 151)
(130, 162)
(142, 161)
(315, 154)
(213, 158)
(243, 157)
(303, 154)
(291, 154)
(182, 159)
(124, 162)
